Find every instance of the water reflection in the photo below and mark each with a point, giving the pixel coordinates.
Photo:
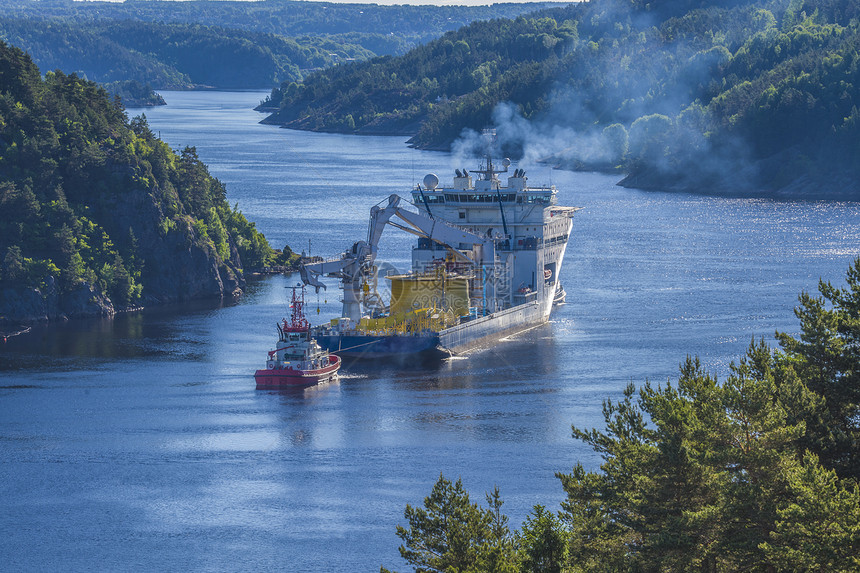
(165, 331)
(302, 394)
(519, 359)
(149, 429)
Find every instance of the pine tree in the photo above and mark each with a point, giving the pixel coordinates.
(450, 534)
(826, 356)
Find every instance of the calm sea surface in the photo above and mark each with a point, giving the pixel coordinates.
(141, 444)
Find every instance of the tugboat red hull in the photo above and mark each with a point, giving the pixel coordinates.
(289, 377)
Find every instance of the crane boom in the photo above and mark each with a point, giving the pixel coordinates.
(357, 264)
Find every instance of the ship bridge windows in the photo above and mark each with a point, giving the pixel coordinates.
(539, 199)
(479, 197)
(431, 198)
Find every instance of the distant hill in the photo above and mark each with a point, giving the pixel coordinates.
(171, 56)
(219, 44)
(731, 96)
(99, 215)
(381, 29)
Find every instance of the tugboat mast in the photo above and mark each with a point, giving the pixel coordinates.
(298, 321)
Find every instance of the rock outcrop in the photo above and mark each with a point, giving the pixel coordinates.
(26, 305)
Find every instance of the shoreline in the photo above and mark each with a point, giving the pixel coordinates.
(23, 323)
(801, 187)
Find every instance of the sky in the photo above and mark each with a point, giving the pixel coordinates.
(393, 2)
(432, 2)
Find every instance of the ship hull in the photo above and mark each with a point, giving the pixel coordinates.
(488, 329)
(288, 377)
(355, 345)
(451, 341)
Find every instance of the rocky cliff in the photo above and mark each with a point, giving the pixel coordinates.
(99, 215)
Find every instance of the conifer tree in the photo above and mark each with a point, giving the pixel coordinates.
(452, 534)
(826, 356)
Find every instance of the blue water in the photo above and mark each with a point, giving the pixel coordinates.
(141, 443)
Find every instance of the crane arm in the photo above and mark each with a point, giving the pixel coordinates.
(439, 231)
(356, 264)
(346, 266)
(378, 218)
(422, 225)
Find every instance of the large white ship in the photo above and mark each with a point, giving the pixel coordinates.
(486, 265)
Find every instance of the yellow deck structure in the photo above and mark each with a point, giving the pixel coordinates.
(412, 322)
(436, 290)
(433, 301)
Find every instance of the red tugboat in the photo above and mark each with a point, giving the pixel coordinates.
(297, 360)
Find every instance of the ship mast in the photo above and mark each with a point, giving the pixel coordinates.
(489, 180)
(298, 321)
(489, 172)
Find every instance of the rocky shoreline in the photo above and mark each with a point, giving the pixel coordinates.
(22, 306)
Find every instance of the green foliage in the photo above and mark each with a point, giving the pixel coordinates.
(450, 533)
(708, 484)
(774, 86)
(826, 356)
(819, 529)
(88, 196)
(380, 29)
(13, 265)
(543, 543)
(447, 84)
(650, 136)
(134, 94)
(617, 141)
(757, 473)
(171, 55)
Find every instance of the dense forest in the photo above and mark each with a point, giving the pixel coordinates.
(221, 44)
(759, 472)
(172, 56)
(380, 29)
(100, 215)
(730, 96)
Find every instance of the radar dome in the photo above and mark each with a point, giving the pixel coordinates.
(431, 181)
(506, 162)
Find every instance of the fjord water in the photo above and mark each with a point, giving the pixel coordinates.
(140, 443)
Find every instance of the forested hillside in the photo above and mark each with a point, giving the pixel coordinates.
(221, 44)
(134, 94)
(408, 93)
(728, 96)
(171, 55)
(381, 29)
(757, 472)
(99, 214)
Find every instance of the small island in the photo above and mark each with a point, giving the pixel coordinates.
(135, 94)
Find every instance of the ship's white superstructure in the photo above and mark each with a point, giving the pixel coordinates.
(486, 264)
(530, 231)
